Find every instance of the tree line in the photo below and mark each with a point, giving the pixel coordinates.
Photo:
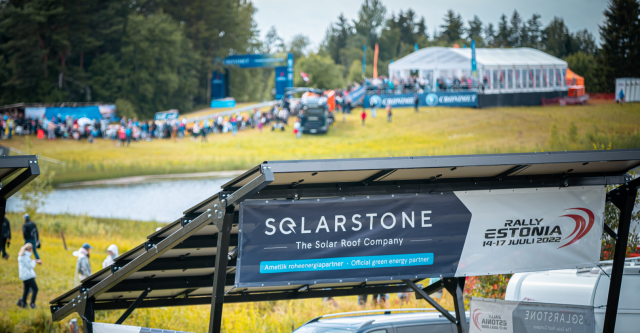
(153, 55)
(397, 35)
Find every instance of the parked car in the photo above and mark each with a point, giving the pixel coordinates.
(583, 286)
(381, 321)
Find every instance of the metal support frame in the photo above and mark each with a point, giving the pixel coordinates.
(624, 198)
(88, 317)
(430, 300)
(455, 286)
(133, 306)
(220, 274)
(21, 180)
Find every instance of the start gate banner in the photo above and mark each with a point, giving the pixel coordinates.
(499, 316)
(411, 236)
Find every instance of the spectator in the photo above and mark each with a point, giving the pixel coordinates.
(27, 274)
(112, 251)
(389, 113)
(30, 234)
(51, 129)
(6, 237)
(621, 96)
(364, 116)
(83, 266)
(416, 102)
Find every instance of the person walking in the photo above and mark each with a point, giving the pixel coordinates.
(6, 238)
(27, 273)
(416, 102)
(112, 251)
(83, 266)
(363, 116)
(621, 96)
(389, 113)
(30, 234)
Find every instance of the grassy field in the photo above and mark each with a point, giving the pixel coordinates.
(55, 276)
(433, 131)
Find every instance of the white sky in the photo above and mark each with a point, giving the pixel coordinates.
(311, 18)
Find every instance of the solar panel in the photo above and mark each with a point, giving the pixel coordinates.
(176, 266)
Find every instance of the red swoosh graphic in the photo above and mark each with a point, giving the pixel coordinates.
(582, 227)
(476, 314)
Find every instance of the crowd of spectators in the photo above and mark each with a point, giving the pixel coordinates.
(414, 84)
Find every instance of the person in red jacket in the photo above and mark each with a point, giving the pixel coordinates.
(364, 116)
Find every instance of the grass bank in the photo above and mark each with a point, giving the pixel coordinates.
(433, 131)
(55, 276)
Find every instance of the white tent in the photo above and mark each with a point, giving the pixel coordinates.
(499, 70)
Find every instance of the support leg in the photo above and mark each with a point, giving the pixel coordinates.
(220, 274)
(133, 306)
(89, 317)
(624, 198)
(455, 286)
(429, 300)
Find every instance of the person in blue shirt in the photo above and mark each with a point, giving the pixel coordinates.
(621, 96)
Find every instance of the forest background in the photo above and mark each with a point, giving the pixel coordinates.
(153, 55)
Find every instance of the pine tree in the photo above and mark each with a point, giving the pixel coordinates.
(475, 28)
(453, 27)
(620, 50)
(514, 31)
(502, 38)
(530, 35)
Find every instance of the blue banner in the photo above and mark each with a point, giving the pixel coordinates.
(218, 85)
(350, 239)
(282, 81)
(91, 112)
(458, 99)
(256, 60)
(474, 69)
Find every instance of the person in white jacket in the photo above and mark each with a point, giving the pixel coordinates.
(112, 250)
(27, 274)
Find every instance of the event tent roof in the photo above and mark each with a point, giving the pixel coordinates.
(176, 265)
(457, 58)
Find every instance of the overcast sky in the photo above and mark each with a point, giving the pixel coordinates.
(311, 18)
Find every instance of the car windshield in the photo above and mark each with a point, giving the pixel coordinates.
(321, 329)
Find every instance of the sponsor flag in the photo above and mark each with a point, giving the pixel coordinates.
(304, 76)
(375, 62)
(474, 69)
(364, 60)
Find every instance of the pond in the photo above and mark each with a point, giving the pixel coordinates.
(154, 200)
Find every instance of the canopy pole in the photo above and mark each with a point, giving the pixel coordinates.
(220, 273)
(455, 286)
(624, 198)
(423, 294)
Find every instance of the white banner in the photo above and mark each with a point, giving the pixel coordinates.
(498, 316)
(532, 229)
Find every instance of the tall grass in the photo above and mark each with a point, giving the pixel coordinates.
(433, 131)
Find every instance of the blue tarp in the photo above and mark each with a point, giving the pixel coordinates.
(91, 112)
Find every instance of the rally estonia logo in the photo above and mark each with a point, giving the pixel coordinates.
(582, 227)
(476, 314)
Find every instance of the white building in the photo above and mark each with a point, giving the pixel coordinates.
(500, 71)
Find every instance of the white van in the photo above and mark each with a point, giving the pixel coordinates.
(583, 286)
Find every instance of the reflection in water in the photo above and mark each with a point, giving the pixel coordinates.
(163, 201)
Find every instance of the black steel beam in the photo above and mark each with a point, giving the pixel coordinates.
(184, 263)
(429, 300)
(624, 199)
(455, 287)
(220, 275)
(255, 297)
(435, 186)
(195, 242)
(430, 289)
(414, 162)
(20, 181)
(610, 231)
(133, 306)
(182, 282)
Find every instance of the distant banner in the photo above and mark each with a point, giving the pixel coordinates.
(459, 99)
(499, 316)
(256, 60)
(417, 236)
(281, 81)
(167, 115)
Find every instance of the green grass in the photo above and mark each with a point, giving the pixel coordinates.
(433, 131)
(55, 276)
